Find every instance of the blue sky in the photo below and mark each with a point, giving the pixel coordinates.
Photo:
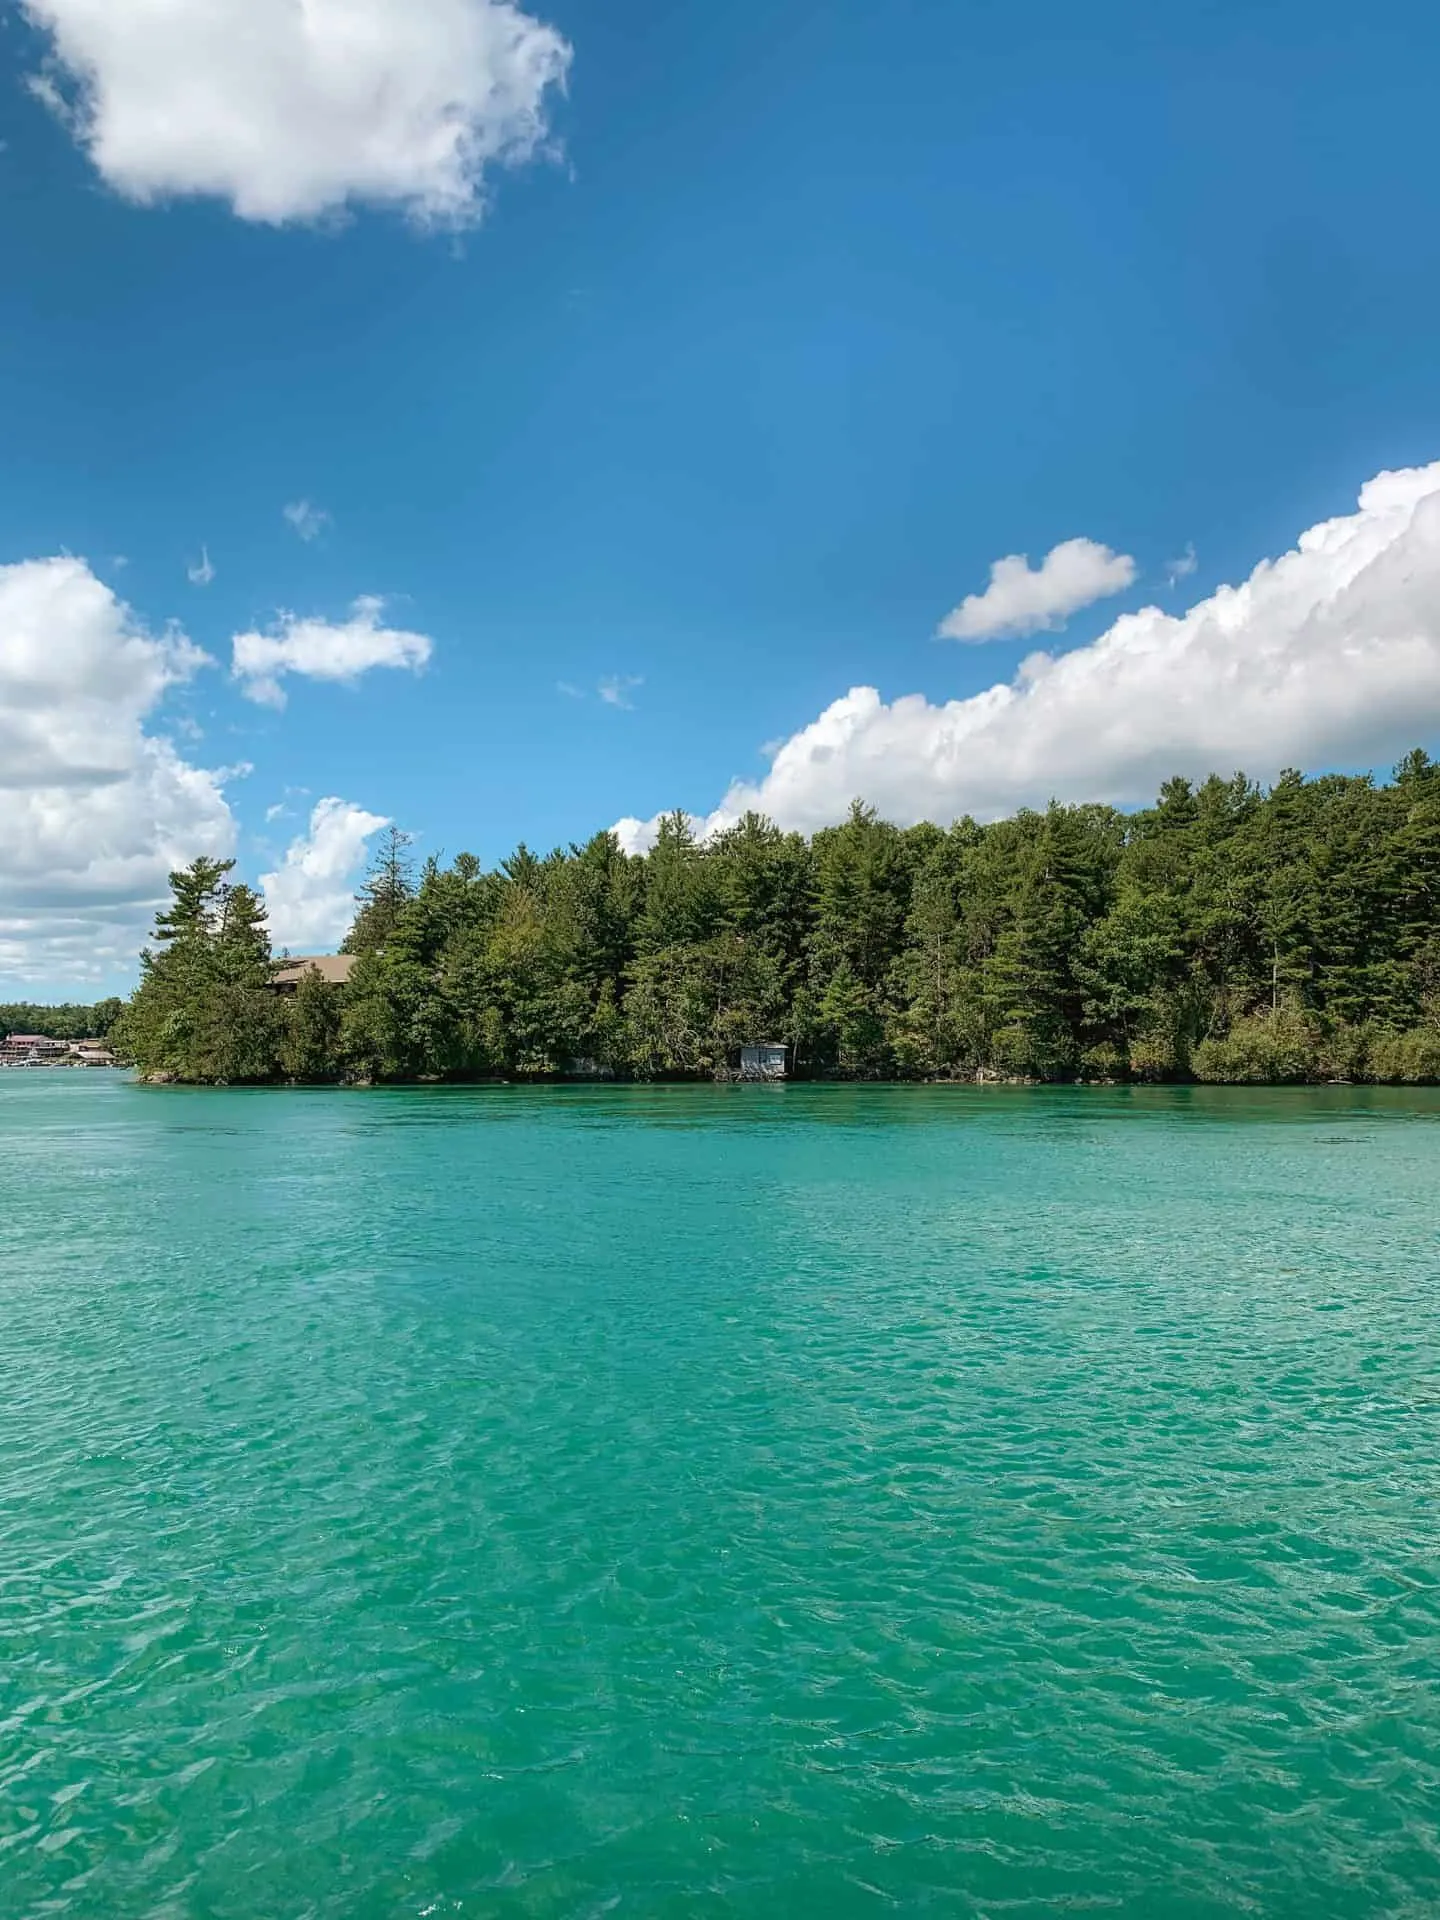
(794, 324)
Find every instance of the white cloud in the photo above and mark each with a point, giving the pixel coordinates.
(1181, 569)
(639, 836)
(307, 520)
(615, 690)
(1328, 656)
(322, 650)
(311, 896)
(203, 573)
(293, 109)
(1023, 599)
(97, 809)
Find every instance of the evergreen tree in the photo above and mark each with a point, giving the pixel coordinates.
(1037, 982)
(389, 886)
(203, 1010)
(309, 1049)
(1224, 933)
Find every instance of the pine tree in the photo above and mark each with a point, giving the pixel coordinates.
(196, 903)
(680, 900)
(1038, 987)
(203, 1011)
(310, 1045)
(389, 887)
(1224, 932)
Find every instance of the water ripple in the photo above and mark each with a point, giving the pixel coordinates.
(689, 1502)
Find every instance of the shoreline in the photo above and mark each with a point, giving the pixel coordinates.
(563, 1083)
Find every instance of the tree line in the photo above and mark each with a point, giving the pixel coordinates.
(1225, 934)
(60, 1023)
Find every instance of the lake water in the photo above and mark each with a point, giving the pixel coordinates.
(687, 1502)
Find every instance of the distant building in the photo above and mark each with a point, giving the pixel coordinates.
(768, 1061)
(333, 968)
(92, 1053)
(31, 1049)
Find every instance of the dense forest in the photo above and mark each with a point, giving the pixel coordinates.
(60, 1023)
(1224, 934)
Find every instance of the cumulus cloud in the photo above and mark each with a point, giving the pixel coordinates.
(291, 111)
(307, 520)
(311, 895)
(639, 836)
(323, 650)
(1023, 599)
(1328, 656)
(97, 808)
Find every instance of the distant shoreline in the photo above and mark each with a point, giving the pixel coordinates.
(564, 1083)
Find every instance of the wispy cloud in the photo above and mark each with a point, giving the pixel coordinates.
(613, 691)
(616, 688)
(309, 521)
(201, 573)
(284, 808)
(1181, 569)
(324, 650)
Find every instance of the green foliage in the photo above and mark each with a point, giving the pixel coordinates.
(310, 1044)
(1223, 934)
(1273, 1048)
(389, 886)
(66, 1022)
(204, 1011)
(1411, 1059)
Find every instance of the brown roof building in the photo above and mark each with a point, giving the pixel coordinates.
(333, 968)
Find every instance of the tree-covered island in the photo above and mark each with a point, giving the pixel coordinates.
(1225, 934)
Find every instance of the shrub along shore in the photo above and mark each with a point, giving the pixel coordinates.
(1226, 934)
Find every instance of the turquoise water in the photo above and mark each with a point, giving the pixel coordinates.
(718, 1501)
